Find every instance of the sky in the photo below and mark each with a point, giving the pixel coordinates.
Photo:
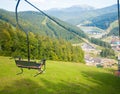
(48, 4)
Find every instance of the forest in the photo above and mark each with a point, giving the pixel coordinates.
(13, 43)
(38, 23)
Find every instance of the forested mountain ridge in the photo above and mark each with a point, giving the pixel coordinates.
(101, 18)
(82, 16)
(36, 22)
(13, 43)
(69, 13)
(103, 21)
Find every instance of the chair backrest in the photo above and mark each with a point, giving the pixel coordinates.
(43, 61)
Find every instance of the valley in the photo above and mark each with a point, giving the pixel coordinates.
(79, 47)
(93, 29)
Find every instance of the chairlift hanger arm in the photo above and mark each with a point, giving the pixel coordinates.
(118, 17)
(16, 12)
(17, 20)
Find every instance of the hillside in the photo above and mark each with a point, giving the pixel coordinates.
(38, 23)
(113, 29)
(103, 21)
(59, 78)
(13, 43)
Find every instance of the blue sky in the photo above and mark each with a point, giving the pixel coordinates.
(47, 4)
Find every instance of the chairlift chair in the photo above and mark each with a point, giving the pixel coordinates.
(41, 66)
(31, 65)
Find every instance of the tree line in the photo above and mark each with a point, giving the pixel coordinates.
(100, 42)
(13, 43)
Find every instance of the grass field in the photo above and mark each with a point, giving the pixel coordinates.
(59, 78)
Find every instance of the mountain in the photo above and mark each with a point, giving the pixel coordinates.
(38, 23)
(75, 8)
(69, 13)
(77, 17)
(99, 18)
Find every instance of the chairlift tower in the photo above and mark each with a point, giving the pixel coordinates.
(119, 33)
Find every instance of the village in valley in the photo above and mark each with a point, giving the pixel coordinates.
(92, 54)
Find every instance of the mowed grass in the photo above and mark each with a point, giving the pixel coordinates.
(59, 78)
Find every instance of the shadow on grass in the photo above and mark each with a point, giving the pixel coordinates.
(23, 86)
(105, 84)
(108, 83)
(26, 86)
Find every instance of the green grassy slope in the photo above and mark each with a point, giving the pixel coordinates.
(60, 78)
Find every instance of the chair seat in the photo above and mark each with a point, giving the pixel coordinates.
(27, 64)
